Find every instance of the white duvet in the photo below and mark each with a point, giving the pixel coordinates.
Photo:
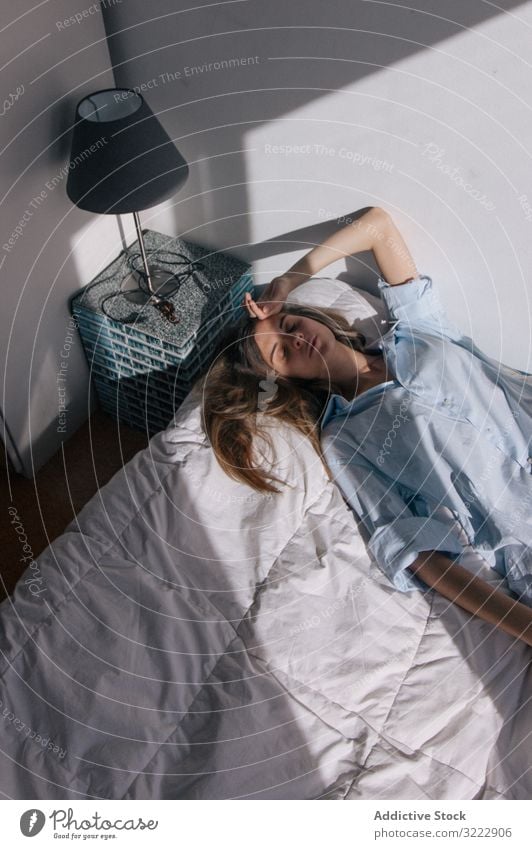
(197, 640)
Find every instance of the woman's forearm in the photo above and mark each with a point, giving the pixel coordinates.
(474, 594)
(373, 231)
(360, 235)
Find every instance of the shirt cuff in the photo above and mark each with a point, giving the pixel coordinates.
(405, 294)
(396, 546)
(417, 304)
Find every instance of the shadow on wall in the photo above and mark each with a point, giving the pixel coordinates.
(215, 74)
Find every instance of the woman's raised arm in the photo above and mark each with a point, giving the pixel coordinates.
(375, 231)
(474, 594)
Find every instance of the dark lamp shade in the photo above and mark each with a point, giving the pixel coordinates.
(122, 160)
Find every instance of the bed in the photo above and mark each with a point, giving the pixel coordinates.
(194, 639)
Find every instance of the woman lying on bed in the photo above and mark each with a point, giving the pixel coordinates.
(428, 439)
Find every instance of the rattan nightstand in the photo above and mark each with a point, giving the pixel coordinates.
(143, 370)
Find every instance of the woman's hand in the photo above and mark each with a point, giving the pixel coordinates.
(272, 300)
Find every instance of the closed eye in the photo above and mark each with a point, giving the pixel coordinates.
(284, 350)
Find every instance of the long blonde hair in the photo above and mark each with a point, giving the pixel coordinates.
(231, 389)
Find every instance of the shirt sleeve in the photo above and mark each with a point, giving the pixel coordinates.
(417, 304)
(397, 534)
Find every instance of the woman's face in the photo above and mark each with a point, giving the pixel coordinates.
(294, 345)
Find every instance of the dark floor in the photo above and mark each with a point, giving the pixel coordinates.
(46, 504)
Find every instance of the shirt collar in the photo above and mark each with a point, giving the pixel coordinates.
(337, 403)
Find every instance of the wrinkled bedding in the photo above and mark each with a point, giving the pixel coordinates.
(197, 640)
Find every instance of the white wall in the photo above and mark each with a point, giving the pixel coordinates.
(395, 104)
(57, 248)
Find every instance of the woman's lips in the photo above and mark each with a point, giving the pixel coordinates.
(312, 345)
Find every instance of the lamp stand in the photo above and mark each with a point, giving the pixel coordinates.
(159, 283)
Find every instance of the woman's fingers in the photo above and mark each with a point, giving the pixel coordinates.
(269, 307)
(253, 309)
(272, 298)
(248, 304)
(262, 310)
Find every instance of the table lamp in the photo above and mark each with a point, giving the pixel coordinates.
(122, 161)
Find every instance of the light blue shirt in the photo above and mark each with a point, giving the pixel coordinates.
(439, 457)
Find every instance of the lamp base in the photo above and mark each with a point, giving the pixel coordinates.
(134, 288)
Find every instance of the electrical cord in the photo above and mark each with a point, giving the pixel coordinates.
(134, 264)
